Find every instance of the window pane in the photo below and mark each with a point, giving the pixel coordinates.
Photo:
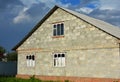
(58, 29)
(30, 57)
(54, 62)
(54, 30)
(54, 26)
(33, 57)
(63, 61)
(59, 62)
(63, 55)
(55, 55)
(30, 61)
(26, 57)
(62, 29)
(33, 63)
(58, 55)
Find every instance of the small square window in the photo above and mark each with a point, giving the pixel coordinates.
(58, 29)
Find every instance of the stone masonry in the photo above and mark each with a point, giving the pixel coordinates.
(90, 52)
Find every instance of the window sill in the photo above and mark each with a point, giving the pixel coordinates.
(58, 37)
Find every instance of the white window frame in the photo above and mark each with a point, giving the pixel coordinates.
(59, 61)
(30, 61)
(59, 32)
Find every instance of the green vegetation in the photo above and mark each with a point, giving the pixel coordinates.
(12, 79)
(7, 56)
(32, 79)
(115, 81)
(2, 50)
(12, 56)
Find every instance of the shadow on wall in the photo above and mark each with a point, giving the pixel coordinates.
(8, 68)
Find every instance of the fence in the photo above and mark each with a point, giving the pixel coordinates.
(8, 68)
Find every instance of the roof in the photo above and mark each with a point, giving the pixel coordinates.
(110, 29)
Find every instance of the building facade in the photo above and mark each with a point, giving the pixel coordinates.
(64, 45)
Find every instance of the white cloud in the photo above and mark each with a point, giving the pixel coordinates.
(88, 6)
(51, 3)
(85, 10)
(110, 4)
(22, 16)
(115, 17)
(64, 5)
(48, 3)
(29, 2)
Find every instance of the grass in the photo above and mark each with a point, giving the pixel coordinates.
(32, 79)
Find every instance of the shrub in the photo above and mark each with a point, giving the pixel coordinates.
(66, 80)
(115, 81)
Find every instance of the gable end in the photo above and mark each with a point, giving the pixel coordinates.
(110, 29)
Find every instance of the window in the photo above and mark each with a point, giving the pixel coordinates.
(58, 29)
(59, 59)
(30, 60)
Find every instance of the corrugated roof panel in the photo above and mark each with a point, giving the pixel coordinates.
(113, 30)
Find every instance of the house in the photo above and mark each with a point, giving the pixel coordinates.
(66, 45)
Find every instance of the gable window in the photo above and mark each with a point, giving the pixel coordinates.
(30, 59)
(59, 59)
(58, 29)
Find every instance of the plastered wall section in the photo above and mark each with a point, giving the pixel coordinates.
(90, 52)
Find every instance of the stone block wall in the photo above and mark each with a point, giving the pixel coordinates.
(90, 52)
(102, 63)
(78, 33)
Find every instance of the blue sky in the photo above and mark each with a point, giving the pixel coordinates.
(18, 17)
(73, 2)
